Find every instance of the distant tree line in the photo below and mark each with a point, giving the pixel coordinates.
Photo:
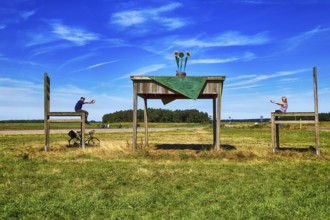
(324, 116)
(158, 115)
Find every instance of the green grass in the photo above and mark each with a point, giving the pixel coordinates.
(183, 181)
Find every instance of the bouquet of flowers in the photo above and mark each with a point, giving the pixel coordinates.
(179, 58)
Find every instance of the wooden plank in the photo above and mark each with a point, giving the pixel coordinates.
(65, 114)
(155, 88)
(210, 78)
(145, 86)
(174, 96)
(295, 122)
(288, 114)
(65, 120)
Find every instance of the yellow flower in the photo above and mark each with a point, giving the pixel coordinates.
(176, 53)
(187, 54)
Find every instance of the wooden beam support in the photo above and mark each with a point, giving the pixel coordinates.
(135, 103)
(217, 143)
(316, 111)
(214, 107)
(146, 122)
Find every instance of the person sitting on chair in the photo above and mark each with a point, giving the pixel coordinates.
(80, 103)
(284, 104)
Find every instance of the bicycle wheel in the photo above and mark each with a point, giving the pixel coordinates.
(93, 142)
(74, 142)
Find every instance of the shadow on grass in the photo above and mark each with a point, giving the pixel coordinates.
(196, 147)
(297, 149)
(73, 146)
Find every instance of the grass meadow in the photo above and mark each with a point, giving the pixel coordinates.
(177, 176)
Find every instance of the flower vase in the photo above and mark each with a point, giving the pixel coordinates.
(180, 73)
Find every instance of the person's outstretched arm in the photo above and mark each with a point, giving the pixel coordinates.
(90, 102)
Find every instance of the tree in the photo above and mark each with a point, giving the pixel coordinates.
(159, 115)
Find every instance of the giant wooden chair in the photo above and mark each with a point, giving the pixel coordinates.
(48, 114)
(277, 118)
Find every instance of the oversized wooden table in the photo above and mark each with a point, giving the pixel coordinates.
(147, 88)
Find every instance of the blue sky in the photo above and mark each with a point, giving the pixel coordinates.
(265, 48)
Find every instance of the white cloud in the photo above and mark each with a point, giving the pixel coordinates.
(77, 36)
(39, 38)
(295, 41)
(147, 16)
(75, 59)
(250, 80)
(226, 39)
(43, 50)
(94, 66)
(3, 57)
(68, 89)
(128, 18)
(8, 82)
(26, 14)
(101, 64)
(2, 26)
(74, 35)
(21, 99)
(143, 71)
(209, 61)
(245, 57)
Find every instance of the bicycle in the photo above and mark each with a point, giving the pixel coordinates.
(90, 141)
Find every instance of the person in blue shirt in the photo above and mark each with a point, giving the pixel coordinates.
(79, 105)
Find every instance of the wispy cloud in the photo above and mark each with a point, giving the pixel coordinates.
(245, 57)
(77, 36)
(255, 2)
(69, 89)
(2, 57)
(226, 39)
(47, 49)
(210, 61)
(101, 64)
(9, 82)
(94, 66)
(39, 38)
(143, 71)
(26, 14)
(76, 59)
(143, 17)
(2, 26)
(295, 41)
(250, 80)
(14, 16)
